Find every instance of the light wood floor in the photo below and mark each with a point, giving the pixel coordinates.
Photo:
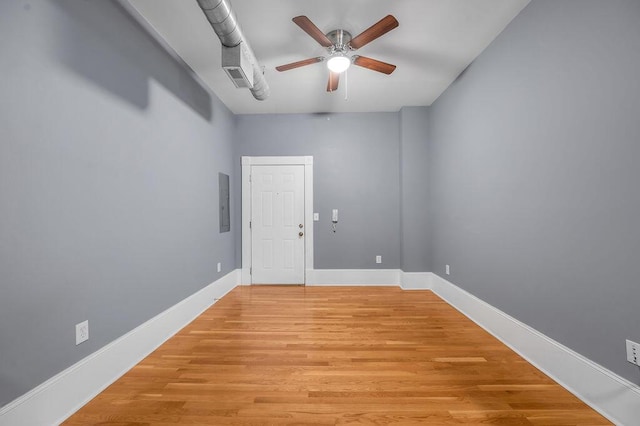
(334, 356)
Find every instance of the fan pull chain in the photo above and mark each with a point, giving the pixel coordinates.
(346, 85)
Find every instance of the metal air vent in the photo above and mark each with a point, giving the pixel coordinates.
(238, 66)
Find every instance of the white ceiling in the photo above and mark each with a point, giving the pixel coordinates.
(435, 42)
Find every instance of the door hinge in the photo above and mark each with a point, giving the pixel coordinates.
(249, 224)
(250, 271)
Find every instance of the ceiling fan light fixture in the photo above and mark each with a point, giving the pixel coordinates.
(339, 63)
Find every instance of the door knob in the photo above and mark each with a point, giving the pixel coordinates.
(300, 234)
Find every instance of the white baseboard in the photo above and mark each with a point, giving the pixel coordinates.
(353, 277)
(416, 280)
(59, 397)
(56, 399)
(611, 395)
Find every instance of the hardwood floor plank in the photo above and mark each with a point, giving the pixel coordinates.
(334, 356)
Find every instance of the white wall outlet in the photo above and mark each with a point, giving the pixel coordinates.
(633, 352)
(316, 217)
(82, 332)
(219, 266)
(378, 259)
(447, 269)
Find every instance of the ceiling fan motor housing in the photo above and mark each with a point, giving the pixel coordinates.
(340, 40)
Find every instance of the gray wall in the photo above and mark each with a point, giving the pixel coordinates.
(356, 170)
(414, 190)
(109, 161)
(534, 169)
(109, 155)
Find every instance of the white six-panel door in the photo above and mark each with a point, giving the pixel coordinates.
(277, 224)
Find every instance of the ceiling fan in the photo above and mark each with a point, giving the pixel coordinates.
(338, 44)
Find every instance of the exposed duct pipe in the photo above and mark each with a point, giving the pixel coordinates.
(224, 23)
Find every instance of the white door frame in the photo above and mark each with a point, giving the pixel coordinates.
(247, 162)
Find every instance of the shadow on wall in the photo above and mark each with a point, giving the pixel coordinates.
(122, 59)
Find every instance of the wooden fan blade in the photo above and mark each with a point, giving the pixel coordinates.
(311, 29)
(299, 64)
(334, 79)
(378, 29)
(373, 64)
